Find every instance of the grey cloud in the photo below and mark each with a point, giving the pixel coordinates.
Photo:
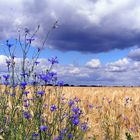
(85, 26)
(10, 17)
(134, 54)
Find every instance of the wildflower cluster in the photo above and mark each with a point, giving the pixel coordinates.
(29, 108)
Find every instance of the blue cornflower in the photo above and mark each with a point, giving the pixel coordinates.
(13, 57)
(26, 105)
(75, 121)
(8, 44)
(55, 25)
(59, 137)
(6, 83)
(53, 60)
(35, 134)
(70, 136)
(60, 83)
(30, 40)
(34, 83)
(7, 41)
(27, 115)
(38, 49)
(43, 128)
(26, 92)
(52, 74)
(26, 30)
(76, 99)
(48, 77)
(6, 77)
(45, 78)
(74, 116)
(76, 109)
(62, 133)
(36, 62)
(71, 102)
(23, 84)
(84, 126)
(41, 92)
(53, 108)
(25, 100)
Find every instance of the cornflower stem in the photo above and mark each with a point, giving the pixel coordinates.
(39, 117)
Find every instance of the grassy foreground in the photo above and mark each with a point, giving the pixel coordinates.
(112, 113)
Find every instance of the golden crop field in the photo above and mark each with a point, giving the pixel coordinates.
(111, 111)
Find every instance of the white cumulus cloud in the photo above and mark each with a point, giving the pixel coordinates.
(93, 63)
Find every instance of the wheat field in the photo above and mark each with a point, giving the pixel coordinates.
(110, 111)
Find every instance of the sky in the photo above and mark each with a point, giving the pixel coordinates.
(97, 42)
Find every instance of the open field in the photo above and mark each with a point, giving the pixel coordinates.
(112, 111)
